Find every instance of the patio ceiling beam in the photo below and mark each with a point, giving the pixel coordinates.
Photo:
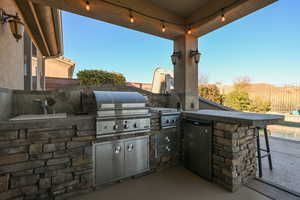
(104, 11)
(44, 27)
(33, 25)
(208, 18)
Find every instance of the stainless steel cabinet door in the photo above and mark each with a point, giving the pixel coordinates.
(109, 162)
(136, 156)
(198, 148)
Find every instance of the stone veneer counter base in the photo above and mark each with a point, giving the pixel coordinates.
(53, 159)
(234, 144)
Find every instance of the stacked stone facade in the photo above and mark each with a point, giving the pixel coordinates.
(46, 163)
(54, 160)
(234, 154)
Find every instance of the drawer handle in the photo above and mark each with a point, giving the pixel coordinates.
(167, 139)
(130, 147)
(117, 150)
(168, 148)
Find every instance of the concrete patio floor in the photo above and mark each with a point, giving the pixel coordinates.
(171, 184)
(286, 164)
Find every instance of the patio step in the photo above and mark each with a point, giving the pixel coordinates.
(272, 191)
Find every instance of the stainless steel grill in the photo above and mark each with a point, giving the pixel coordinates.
(120, 113)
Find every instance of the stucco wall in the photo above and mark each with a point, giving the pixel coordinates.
(11, 53)
(58, 68)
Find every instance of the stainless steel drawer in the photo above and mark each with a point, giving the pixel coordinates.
(166, 143)
(166, 149)
(166, 137)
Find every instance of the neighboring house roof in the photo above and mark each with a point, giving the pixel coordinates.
(44, 26)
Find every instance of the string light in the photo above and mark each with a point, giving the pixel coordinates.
(163, 27)
(189, 31)
(223, 18)
(87, 5)
(131, 18)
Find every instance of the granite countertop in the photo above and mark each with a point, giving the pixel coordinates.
(252, 119)
(41, 123)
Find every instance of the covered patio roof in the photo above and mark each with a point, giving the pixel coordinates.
(201, 16)
(177, 20)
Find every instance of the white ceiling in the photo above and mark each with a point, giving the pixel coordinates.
(182, 8)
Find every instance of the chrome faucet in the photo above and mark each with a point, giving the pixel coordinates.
(44, 105)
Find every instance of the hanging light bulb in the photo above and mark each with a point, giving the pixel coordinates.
(131, 18)
(163, 27)
(223, 18)
(87, 5)
(189, 31)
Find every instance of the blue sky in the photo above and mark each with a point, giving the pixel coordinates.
(264, 46)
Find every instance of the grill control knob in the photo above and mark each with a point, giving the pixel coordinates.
(167, 139)
(168, 148)
(135, 125)
(116, 126)
(167, 121)
(125, 126)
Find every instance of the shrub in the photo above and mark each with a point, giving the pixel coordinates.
(100, 77)
(211, 92)
(238, 99)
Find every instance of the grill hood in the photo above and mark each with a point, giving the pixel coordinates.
(113, 97)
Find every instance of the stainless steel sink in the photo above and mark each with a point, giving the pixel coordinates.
(37, 117)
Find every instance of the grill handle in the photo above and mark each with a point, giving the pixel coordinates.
(130, 147)
(118, 149)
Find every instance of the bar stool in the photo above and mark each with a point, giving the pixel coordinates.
(259, 150)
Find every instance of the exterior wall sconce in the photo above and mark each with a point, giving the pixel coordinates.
(175, 56)
(16, 26)
(196, 55)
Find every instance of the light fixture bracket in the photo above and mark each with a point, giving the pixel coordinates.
(16, 25)
(4, 17)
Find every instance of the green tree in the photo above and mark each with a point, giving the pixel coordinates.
(259, 105)
(211, 92)
(100, 77)
(238, 99)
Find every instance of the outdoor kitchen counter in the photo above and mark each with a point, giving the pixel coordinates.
(251, 119)
(234, 143)
(86, 120)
